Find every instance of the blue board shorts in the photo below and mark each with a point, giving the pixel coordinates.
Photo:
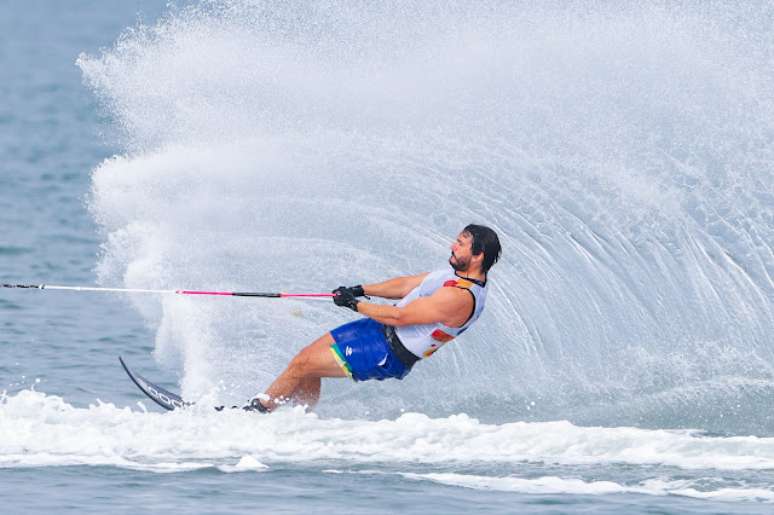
(361, 349)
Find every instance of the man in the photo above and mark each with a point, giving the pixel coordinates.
(434, 308)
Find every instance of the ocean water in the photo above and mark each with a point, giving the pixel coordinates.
(624, 153)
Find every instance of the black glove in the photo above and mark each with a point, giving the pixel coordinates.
(344, 297)
(356, 290)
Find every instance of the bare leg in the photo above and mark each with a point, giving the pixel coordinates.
(308, 391)
(301, 379)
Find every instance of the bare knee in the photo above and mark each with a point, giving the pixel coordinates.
(299, 365)
(303, 365)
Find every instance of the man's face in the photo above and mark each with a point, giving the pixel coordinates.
(461, 252)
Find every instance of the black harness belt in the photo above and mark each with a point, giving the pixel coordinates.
(405, 356)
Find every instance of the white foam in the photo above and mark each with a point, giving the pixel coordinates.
(39, 430)
(559, 485)
(245, 464)
(542, 485)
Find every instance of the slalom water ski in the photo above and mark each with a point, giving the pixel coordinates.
(171, 401)
(157, 394)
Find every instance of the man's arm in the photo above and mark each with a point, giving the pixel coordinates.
(396, 288)
(450, 306)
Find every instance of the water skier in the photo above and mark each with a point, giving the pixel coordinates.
(433, 308)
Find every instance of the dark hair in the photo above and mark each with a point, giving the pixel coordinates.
(484, 240)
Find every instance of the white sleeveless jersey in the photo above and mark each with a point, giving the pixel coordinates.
(424, 339)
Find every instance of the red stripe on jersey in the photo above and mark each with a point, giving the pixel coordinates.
(441, 336)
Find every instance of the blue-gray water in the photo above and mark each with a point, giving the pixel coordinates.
(625, 155)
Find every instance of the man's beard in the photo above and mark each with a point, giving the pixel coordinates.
(459, 266)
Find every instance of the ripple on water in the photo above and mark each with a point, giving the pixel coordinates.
(12, 250)
(7, 305)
